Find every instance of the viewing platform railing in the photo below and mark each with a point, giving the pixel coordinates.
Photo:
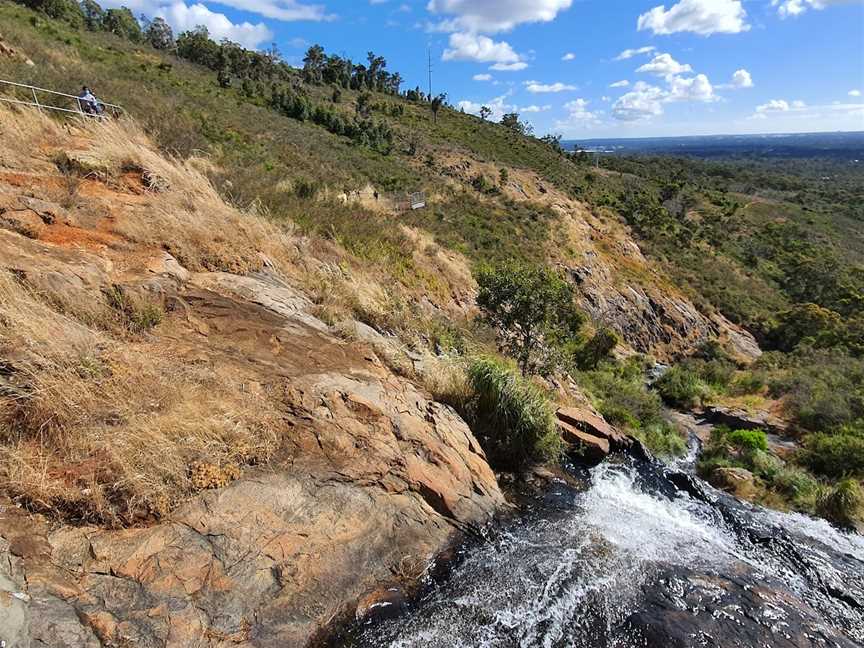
(28, 95)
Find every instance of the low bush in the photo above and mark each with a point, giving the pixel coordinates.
(512, 418)
(682, 387)
(835, 455)
(621, 396)
(748, 440)
(843, 504)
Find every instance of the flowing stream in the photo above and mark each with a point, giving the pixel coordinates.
(646, 556)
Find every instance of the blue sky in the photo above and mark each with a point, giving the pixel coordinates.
(587, 68)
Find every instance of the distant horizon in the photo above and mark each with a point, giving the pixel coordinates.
(672, 137)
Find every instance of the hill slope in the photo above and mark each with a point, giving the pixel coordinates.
(300, 173)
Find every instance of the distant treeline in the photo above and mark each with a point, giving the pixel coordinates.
(260, 76)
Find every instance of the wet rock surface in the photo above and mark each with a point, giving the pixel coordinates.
(682, 608)
(644, 556)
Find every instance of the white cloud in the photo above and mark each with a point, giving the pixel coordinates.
(482, 77)
(535, 87)
(495, 15)
(797, 114)
(779, 106)
(664, 65)
(704, 17)
(569, 56)
(534, 109)
(623, 83)
(509, 67)
(578, 115)
(287, 10)
(642, 102)
(498, 106)
(854, 93)
(742, 79)
(794, 8)
(630, 53)
(183, 18)
(474, 47)
(697, 88)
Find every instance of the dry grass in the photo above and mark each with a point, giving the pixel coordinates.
(104, 430)
(98, 420)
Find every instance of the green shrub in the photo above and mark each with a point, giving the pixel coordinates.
(597, 349)
(532, 309)
(662, 439)
(512, 417)
(834, 455)
(747, 383)
(681, 387)
(843, 503)
(748, 440)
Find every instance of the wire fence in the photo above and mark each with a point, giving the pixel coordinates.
(43, 99)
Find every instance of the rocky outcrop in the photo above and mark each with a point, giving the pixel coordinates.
(736, 481)
(370, 480)
(589, 435)
(683, 608)
(739, 419)
(621, 288)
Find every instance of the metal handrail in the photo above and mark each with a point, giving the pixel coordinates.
(35, 103)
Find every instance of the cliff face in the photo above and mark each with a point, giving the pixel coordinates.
(616, 284)
(214, 464)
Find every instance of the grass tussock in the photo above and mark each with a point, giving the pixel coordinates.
(512, 417)
(98, 430)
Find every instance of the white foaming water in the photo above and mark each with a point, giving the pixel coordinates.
(575, 580)
(567, 580)
(649, 528)
(851, 544)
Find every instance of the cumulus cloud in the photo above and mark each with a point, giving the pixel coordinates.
(183, 18)
(534, 109)
(696, 88)
(664, 65)
(642, 102)
(703, 17)
(855, 93)
(482, 49)
(569, 56)
(794, 8)
(535, 87)
(779, 106)
(742, 79)
(630, 53)
(623, 83)
(578, 115)
(498, 106)
(286, 10)
(495, 16)
(482, 77)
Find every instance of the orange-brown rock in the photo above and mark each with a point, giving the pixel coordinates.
(370, 477)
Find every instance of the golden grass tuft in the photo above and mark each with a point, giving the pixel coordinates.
(104, 430)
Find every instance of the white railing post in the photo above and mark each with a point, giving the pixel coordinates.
(36, 99)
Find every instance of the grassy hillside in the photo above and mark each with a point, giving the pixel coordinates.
(776, 248)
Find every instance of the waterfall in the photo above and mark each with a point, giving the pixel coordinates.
(633, 562)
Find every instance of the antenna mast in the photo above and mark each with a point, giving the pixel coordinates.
(429, 55)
